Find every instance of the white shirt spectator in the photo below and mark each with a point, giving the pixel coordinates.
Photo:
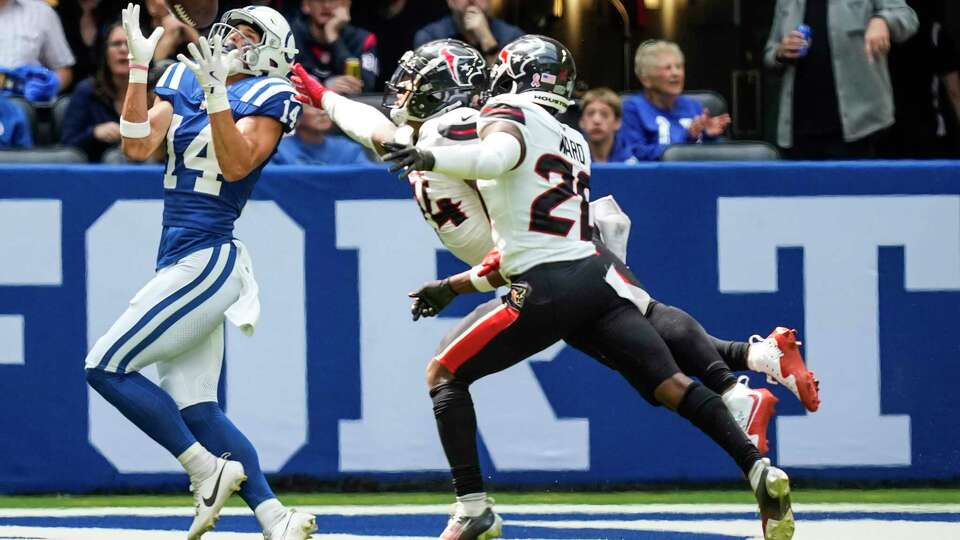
(31, 33)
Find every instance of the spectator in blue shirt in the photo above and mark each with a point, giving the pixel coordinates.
(469, 21)
(312, 145)
(14, 126)
(661, 115)
(600, 123)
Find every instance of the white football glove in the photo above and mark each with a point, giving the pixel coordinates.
(211, 66)
(141, 48)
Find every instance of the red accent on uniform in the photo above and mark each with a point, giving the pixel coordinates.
(469, 131)
(370, 42)
(508, 111)
(451, 64)
(468, 345)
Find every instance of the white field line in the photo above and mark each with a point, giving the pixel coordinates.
(550, 509)
(863, 529)
(55, 533)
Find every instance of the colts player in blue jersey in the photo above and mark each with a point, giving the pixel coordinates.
(220, 115)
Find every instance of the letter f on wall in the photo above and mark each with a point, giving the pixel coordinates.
(840, 237)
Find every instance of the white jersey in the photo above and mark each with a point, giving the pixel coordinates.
(451, 206)
(540, 210)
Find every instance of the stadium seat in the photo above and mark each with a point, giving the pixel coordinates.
(711, 101)
(30, 112)
(53, 154)
(59, 113)
(724, 151)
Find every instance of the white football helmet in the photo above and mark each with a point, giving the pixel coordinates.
(273, 55)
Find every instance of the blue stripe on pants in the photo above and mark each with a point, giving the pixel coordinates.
(145, 320)
(183, 311)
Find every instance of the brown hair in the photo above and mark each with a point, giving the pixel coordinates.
(604, 95)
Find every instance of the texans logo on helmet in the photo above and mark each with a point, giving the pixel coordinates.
(461, 69)
(517, 63)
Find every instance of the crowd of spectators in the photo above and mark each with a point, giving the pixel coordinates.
(837, 99)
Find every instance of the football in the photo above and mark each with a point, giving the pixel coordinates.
(195, 13)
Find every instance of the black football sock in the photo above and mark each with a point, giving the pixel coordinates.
(734, 353)
(706, 410)
(457, 425)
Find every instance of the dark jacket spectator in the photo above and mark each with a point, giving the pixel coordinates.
(14, 126)
(836, 94)
(84, 22)
(326, 41)
(31, 33)
(469, 21)
(395, 22)
(92, 120)
(661, 115)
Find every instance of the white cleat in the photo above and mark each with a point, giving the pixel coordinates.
(778, 356)
(211, 494)
(463, 526)
(294, 526)
(752, 409)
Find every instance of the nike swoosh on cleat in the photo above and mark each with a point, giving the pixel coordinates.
(216, 487)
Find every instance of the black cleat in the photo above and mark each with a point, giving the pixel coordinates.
(773, 496)
(463, 527)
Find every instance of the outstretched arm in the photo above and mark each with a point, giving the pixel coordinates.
(142, 131)
(501, 149)
(430, 299)
(361, 122)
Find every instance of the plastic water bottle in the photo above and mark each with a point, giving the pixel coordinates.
(807, 32)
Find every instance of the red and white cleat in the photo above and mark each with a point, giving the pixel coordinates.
(778, 356)
(752, 409)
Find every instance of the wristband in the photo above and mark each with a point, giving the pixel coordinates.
(480, 283)
(138, 73)
(134, 130)
(217, 99)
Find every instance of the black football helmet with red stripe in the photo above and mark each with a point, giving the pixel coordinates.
(437, 77)
(538, 67)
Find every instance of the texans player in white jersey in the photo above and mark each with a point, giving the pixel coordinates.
(534, 176)
(431, 96)
(220, 115)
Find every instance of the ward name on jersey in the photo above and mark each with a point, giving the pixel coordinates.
(199, 206)
(539, 210)
(452, 206)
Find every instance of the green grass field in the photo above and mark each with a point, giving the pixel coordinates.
(897, 496)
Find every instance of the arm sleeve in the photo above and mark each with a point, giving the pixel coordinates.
(77, 125)
(901, 18)
(496, 154)
(773, 41)
(55, 53)
(358, 121)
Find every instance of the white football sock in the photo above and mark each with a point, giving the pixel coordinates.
(199, 463)
(473, 503)
(269, 513)
(756, 471)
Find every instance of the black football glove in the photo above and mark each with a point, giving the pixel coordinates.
(431, 298)
(407, 159)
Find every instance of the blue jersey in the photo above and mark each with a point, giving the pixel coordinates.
(199, 207)
(648, 130)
